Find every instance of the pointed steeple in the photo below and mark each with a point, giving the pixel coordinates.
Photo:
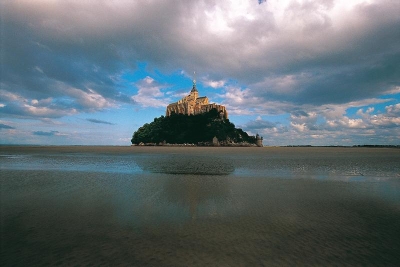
(194, 89)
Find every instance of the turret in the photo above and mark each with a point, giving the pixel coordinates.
(259, 140)
(194, 91)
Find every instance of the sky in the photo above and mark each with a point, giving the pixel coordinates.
(297, 72)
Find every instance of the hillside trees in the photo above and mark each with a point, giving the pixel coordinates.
(180, 129)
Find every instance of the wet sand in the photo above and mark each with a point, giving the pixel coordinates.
(244, 216)
(172, 149)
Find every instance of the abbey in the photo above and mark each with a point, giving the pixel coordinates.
(193, 105)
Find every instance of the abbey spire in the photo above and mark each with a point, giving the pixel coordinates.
(192, 104)
(194, 82)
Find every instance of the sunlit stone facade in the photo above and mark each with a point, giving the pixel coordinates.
(192, 104)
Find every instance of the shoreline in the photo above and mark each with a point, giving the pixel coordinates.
(221, 150)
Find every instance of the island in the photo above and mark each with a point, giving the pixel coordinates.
(194, 121)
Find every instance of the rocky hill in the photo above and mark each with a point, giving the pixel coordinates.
(192, 129)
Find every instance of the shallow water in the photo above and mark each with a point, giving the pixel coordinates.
(79, 206)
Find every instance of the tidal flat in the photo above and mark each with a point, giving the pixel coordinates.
(199, 206)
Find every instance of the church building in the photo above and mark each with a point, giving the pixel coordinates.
(192, 104)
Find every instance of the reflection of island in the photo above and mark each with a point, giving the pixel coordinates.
(202, 195)
(200, 183)
(184, 164)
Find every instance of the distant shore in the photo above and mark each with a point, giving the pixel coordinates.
(189, 149)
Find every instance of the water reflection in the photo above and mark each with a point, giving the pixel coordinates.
(187, 164)
(172, 199)
(196, 186)
(202, 196)
(200, 207)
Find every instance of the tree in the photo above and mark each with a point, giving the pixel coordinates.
(180, 128)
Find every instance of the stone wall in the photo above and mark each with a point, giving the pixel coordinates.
(193, 105)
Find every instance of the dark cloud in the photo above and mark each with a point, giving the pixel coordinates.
(303, 54)
(100, 121)
(22, 109)
(258, 125)
(42, 133)
(4, 126)
(47, 55)
(300, 113)
(393, 110)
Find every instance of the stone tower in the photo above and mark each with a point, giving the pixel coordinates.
(194, 91)
(259, 140)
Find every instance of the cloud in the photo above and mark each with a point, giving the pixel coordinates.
(311, 59)
(4, 126)
(302, 121)
(258, 125)
(73, 102)
(46, 56)
(390, 119)
(385, 121)
(393, 110)
(89, 100)
(18, 106)
(332, 124)
(42, 133)
(301, 52)
(100, 121)
(214, 84)
(150, 94)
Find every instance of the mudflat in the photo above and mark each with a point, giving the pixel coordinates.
(197, 206)
(189, 149)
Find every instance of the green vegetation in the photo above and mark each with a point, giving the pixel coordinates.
(194, 129)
